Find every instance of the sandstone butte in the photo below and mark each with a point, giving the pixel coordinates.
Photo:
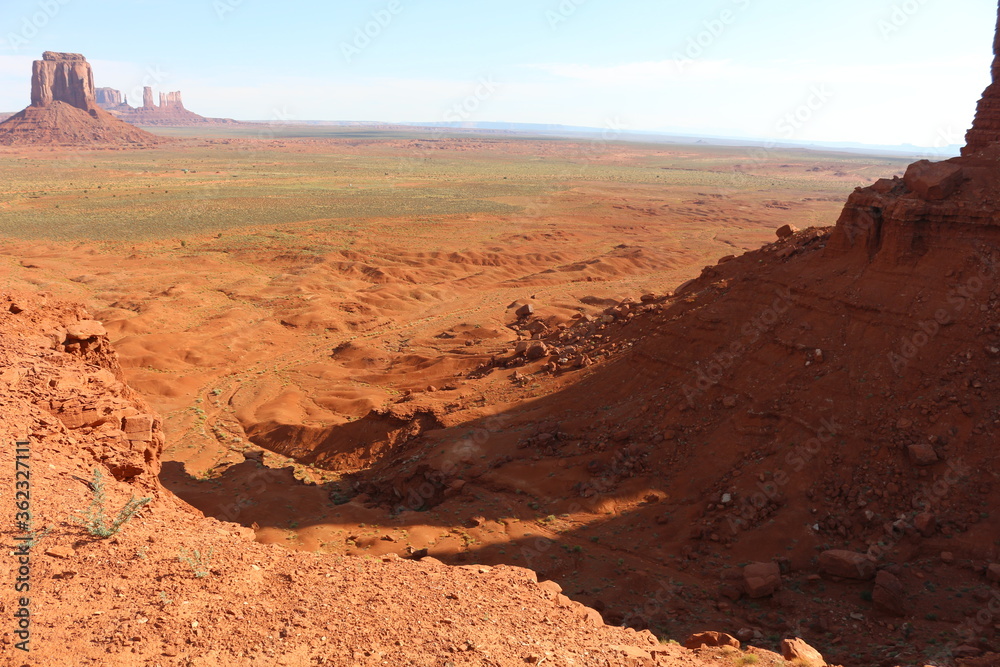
(900, 253)
(64, 110)
(170, 110)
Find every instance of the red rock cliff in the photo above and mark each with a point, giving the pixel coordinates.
(62, 77)
(986, 129)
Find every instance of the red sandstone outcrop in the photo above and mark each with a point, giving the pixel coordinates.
(64, 109)
(62, 77)
(108, 97)
(985, 131)
(955, 202)
(170, 110)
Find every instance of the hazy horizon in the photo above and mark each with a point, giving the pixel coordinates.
(882, 73)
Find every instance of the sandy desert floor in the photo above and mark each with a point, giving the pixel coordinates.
(301, 308)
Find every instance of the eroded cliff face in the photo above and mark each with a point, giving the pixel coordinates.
(62, 77)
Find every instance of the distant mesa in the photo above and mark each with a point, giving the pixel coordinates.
(170, 110)
(64, 110)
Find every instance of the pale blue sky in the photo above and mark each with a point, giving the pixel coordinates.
(876, 71)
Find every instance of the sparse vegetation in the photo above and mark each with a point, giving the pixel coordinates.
(95, 519)
(198, 561)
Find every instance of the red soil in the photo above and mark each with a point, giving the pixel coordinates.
(174, 588)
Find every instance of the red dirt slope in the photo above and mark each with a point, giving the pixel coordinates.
(174, 588)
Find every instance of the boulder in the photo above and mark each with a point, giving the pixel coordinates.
(889, 595)
(933, 181)
(847, 564)
(536, 350)
(925, 523)
(761, 579)
(802, 654)
(922, 454)
(786, 231)
(85, 330)
(711, 640)
(138, 428)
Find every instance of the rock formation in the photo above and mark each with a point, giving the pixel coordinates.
(171, 100)
(109, 98)
(170, 110)
(949, 203)
(62, 77)
(986, 129)
(64, 109)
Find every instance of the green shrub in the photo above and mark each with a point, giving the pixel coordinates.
(198, 561)
(95, 520)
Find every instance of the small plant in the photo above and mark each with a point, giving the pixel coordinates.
(748, 659)
(198, 561)
(94, 518)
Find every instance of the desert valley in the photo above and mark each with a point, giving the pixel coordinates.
(389, 395)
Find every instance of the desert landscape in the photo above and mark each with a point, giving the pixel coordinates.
(353, 395)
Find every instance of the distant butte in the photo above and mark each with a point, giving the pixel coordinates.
(64, 110)
(170, 110)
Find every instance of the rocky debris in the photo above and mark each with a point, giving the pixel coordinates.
(800, 653)
(933, 181)
(847, 564)
(761, 579)
(993, 573)
(64, 109)
(786, 231)
(573, 345)
(889, 595)
(710, 640)
(78, 382)
(922, 454)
